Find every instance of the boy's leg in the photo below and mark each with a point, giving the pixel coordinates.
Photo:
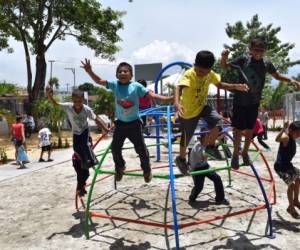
(261, 142)
(218, 184)
(248, 138)
(41, 155)
(136, 137)
(296, 193)
(119, 137)
(198, 187)
(82, 176)
(187, 127)
(290, 194)
(236, 148)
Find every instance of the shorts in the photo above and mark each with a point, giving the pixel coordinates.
(188, 126)
(46, 148)
(244, 117)
(288, 175)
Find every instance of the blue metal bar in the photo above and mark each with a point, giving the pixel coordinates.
(268, 206)
(176, 229)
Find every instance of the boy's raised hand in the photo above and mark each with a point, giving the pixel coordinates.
(285, 125)
(225, 53)
(86, 65)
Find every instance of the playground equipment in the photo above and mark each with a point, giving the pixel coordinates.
(168, 111)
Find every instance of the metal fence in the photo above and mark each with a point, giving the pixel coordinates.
(292, 106)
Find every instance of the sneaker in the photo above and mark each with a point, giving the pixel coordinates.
(50, 160)
(235, 162)
(214, 152)
(182, 165)
(148, 177)
(119, 173)
(246, 159)
(41, 160)
(223, 202)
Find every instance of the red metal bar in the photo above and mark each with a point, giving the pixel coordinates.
(143, 222)
(198, 222)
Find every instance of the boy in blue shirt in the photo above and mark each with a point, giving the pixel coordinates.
(128, 123)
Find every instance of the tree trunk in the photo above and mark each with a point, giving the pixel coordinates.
(40, 77)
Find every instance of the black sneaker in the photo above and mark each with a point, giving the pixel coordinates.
(148, 177)
(119, 173)
(50, 159)
(223, 202)
(214, 152)
(246, 159)
(42, 160)
(182, 165)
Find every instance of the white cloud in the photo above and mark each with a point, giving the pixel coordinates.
(164, 52)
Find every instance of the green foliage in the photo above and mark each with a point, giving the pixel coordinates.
(54, 82)
(38, 24)
(104, 103)
(3, 156)
(243, 34)
(89, 87)
(67, 144)
(53, 115)
(8, 88)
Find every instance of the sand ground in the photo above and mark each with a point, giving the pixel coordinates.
(37, 210)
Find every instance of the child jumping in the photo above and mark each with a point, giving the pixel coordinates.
(198, 161)
(252, 70)
(190, 103)
(284, 167)
(128, 123)
(78, 114)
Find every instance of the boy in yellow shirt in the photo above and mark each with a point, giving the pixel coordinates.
(190, 103)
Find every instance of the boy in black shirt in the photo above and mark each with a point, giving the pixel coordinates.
(252, 70)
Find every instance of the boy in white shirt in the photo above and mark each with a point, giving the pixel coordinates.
(45, 143)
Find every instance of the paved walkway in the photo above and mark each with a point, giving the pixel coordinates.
(10, 170)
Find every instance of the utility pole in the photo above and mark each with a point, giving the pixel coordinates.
(74, 75)
(68, 87)
(51, 62)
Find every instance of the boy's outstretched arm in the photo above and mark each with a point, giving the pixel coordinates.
(152, 95)
(49, 94)
(86, 65)
(281, 77)
(235, 86)
(100, 123)
(224, 59)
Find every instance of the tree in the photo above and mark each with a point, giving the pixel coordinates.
(38, 24)
(52, 116)
(105, 103)
(54, 82)
(8, 88)
(89, 87)
(278, 51)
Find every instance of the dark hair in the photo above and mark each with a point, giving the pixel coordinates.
(19, 118)
(77, 93)
(124, 64)
(143, 82)
(205, 59)
(295, 126)
(258, 42)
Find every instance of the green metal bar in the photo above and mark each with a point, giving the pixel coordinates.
(87, 211)
(224, 147)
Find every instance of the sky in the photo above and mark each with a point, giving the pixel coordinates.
(161, 31)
